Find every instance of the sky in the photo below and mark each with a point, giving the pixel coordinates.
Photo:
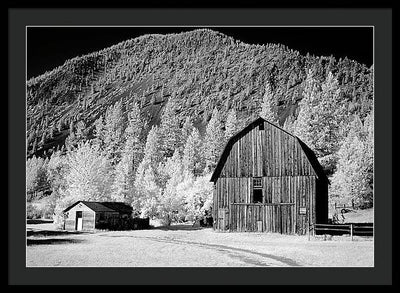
(49, 47)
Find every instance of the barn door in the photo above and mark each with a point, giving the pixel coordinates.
(223, 219)
(79, 222)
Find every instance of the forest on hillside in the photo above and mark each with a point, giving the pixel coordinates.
(145, 121)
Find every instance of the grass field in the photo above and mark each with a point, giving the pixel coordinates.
(185, 246)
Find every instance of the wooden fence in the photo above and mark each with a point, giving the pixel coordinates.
(353, 229)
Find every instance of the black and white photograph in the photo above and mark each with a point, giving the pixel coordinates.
(200, 146)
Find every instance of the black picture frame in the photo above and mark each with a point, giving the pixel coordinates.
(380, 274)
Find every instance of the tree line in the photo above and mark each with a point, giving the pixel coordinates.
(163, 170)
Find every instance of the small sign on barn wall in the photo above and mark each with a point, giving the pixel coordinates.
(303, 211)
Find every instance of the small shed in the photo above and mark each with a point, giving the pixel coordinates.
(268, 180)
(90, 215)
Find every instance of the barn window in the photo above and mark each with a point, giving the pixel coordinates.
(257, 182)
(261, 126)
(257, 190)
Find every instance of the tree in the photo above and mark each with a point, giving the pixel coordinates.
(146, 181)
(268, 105)
(147, 192)
(123, 187)
(213, 141)
(321, 116)
(169, 129)
(231, 124)
(171, 203)
(198, 197)
(186, 131)
(192, 155)
(152, 150)
(89, 176)
(109, 132)
(36, 177)
(352, 181)
(57, 170)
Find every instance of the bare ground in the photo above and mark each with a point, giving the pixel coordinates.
(185, 246)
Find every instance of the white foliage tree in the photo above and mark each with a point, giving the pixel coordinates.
(147, 192)
(192, 154)
(214, 140)
(231, 124)
(199, 197)
(36, 178)
(171, 203)
(146, 183)
(353, 180)
(322, 114)
(89, 176)
(123, 187)
(186, 131)
(169, 129)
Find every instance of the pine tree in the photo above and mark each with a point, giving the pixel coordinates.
(192, 156)
(147, 192)
(123, 187)
(114, 126)
(169, 129)
(321, 116)
(36, 177)
(268, 105)
(231, 124)
(186, 131)
(352, 181)
(214, 140)
(148, 168)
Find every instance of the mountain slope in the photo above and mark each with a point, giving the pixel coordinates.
(201, 69)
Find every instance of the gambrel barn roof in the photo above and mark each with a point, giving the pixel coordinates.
(316, 166)
(119, 207)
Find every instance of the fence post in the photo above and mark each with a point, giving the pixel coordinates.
(308, 230)
(351, 231)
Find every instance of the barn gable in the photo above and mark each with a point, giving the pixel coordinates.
(252, 154)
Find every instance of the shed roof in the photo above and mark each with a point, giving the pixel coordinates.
(104, 206)
(308, 152)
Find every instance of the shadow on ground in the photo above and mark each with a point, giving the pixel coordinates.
(38, 221)
(178, 228)
(47, 241)
(50, 233)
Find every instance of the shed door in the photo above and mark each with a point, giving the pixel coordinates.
(79, 222)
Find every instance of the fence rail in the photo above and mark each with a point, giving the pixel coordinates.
(353, 229)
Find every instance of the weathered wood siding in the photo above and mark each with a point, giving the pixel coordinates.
(270, 152)
(105, 219)
(278, 192)
(88, 218)
(289, 184)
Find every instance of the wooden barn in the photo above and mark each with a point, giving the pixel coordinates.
(90, 215)
(268, 180)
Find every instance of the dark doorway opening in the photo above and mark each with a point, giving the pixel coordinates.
(257, 196)
(78, 221)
